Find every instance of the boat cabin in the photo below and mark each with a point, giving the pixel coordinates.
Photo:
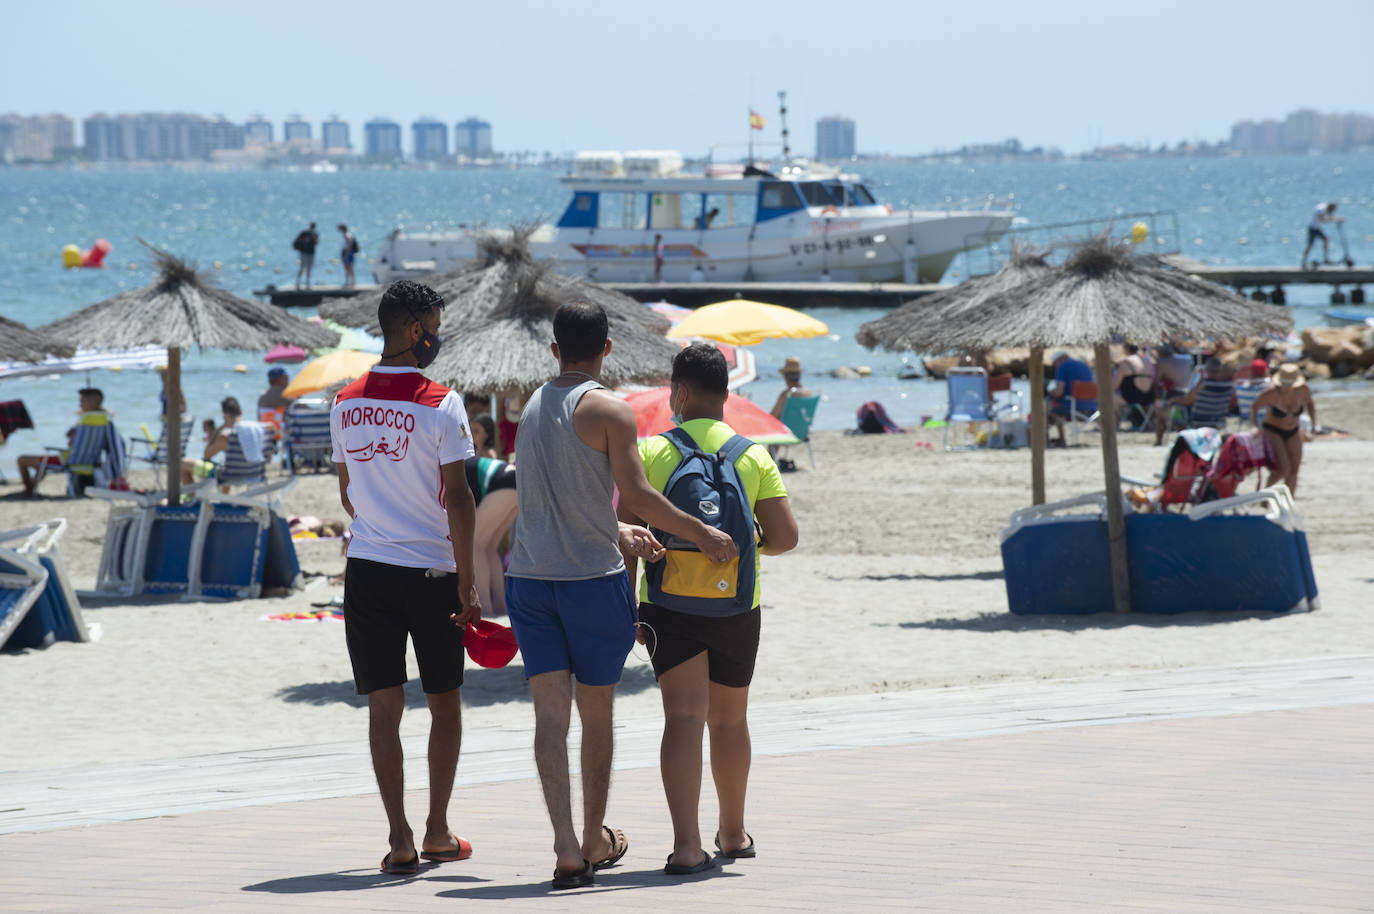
(699, 203)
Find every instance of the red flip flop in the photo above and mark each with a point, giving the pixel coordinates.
(462, 852)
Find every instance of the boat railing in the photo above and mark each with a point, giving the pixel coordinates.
(1154, 232)
(990, 203)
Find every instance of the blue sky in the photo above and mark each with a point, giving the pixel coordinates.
(616, 75)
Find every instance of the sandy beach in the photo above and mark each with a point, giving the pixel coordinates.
(897, 585)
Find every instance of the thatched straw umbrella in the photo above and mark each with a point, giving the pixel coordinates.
(1103, 291)
(20, 344)
(179, 309)
(508, 348)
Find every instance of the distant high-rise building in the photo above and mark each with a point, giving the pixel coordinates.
(98, 133)
(431, 140)
(334, 134)
(295, 128)
(35, 139)
(834, 138)
(257, 132)
(472, 138)
(220, 133)
(382, 140)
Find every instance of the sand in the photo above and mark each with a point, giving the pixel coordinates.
(896, 585)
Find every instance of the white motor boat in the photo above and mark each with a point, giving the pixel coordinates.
(728, 224)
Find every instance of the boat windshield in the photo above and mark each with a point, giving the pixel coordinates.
(858, 195)
(817, 194)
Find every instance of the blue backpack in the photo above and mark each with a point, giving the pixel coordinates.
(708, 487)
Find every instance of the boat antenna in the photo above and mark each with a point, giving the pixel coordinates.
(782, 116)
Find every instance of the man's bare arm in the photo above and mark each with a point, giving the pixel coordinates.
(343, 488)
(462, 516)
(780, 533)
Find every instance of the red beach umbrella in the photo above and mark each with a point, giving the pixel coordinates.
(654, 416)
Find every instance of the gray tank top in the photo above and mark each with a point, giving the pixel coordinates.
(566, 528)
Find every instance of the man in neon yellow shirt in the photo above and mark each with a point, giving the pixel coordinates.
(704, 664)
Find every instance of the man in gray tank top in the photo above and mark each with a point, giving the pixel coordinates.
(567, 590)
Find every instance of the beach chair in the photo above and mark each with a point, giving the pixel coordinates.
(1247, 392)
(1080, 391)
(1211, 404)
(56, 613)
(798, 414)
(238, 470)
(147, 545)
(95, 455)
(307, 439)
(155, 452)
(22, 582)
(968, 403)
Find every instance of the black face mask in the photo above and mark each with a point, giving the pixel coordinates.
(427, 349)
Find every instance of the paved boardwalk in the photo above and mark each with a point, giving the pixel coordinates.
(1248, 801)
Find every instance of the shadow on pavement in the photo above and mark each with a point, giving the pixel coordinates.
(345, 881)
(481, 687)
(606, 881)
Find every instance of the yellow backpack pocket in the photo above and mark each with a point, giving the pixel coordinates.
(692, 574)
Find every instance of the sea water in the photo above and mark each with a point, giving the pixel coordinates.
(238, 226)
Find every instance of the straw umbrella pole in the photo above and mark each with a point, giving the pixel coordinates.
(178, 309)
(21, 344)
(1102, 292)
(908, 328)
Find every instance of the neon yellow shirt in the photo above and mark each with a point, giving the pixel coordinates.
(756, 469)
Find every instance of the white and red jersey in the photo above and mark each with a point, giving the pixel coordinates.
(394, 428)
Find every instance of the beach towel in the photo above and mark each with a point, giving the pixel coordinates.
(251, 438)
(13, 416)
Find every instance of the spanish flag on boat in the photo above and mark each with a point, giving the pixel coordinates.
(756, 121)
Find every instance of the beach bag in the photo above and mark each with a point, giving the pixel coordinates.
(708, 487)
(299, 243)
(874, 420)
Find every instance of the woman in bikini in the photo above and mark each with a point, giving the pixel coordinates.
(1283, 403)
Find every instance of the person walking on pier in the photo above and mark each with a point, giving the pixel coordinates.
(305, 245)
(1326, 212)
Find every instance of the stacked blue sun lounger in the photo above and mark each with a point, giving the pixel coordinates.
(226, 546)
(37, 603)
(1243, 554)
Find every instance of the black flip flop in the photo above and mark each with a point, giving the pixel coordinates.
(576, 879)
(707, 864)
(409, 868)
(619, 845)
(740, 852)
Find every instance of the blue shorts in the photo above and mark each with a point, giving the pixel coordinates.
(586, 627)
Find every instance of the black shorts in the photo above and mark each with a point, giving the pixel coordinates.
(1314, 233)
(384, 603)
(1134, 395)
(731, 643)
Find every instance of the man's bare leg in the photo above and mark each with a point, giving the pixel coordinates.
(686, 698)
(551, 694)
(731, 755)
(445, 738)
(594, 709)
(384, 707)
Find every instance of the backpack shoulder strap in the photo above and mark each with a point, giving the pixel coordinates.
(684, 442)
(734, 449)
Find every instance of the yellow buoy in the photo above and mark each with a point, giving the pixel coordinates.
(241, 369)
(71, 256)
(217, 264)
(863, 371)
(133, 266)
(1139, 232)
(262, 263)
(246, 268)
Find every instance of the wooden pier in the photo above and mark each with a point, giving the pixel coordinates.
(1265, 279)
(801, 295)
(291, 297)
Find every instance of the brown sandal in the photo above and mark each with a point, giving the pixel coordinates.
(619, 845)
